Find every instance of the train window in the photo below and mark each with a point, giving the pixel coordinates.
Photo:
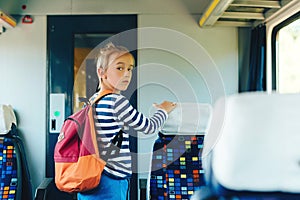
(286, 44)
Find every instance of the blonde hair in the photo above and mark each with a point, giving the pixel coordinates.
(106, 52)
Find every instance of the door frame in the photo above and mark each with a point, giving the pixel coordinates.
(60, 67)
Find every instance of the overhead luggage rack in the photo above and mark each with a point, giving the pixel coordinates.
(6, 21)
(241, 13)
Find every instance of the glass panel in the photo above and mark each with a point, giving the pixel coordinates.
(85, 76)
(288, 58)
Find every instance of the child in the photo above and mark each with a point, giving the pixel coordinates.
(113, 114)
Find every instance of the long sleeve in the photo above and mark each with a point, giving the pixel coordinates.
(131, 117)
(113, 113)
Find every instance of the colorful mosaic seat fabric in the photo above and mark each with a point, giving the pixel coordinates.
(8, 169)
(15, 182)
(176, 170)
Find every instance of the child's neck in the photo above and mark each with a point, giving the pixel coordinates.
(104, 89)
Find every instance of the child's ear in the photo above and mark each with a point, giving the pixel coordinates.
(100, 72)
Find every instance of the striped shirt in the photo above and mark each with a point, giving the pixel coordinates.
(115, 113)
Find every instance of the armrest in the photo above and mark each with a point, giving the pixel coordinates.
(48, 190)
(41, 189)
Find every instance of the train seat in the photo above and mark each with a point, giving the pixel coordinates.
(251, 150)
(15, 178)
(176, 170)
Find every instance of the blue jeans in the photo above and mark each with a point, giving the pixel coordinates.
(108, 189)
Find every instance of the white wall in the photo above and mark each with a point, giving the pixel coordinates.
(23, 65)
(178, 61)
(23, 85)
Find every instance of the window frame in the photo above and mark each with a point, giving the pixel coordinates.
(274, 44)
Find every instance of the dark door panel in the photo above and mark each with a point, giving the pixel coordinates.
(68, 35)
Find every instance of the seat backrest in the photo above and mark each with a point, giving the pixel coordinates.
(187, 119)
(253, 143)
(7, 118)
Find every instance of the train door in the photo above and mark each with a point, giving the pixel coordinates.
(70, 41)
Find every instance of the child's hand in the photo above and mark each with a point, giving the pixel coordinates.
(166, 105)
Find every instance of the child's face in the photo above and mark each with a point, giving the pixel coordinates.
(119, 72)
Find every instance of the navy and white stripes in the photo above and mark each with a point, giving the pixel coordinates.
(114, 113)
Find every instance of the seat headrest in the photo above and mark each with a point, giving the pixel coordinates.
(254, 140)
(7, 118)
(188, 118)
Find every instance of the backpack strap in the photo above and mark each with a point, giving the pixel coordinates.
(115, 147)
(91, 119)
(117, 139)
(100, 95)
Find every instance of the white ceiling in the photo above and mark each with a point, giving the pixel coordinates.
(238, 13)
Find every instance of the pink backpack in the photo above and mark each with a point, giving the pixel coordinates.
(78, 166)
